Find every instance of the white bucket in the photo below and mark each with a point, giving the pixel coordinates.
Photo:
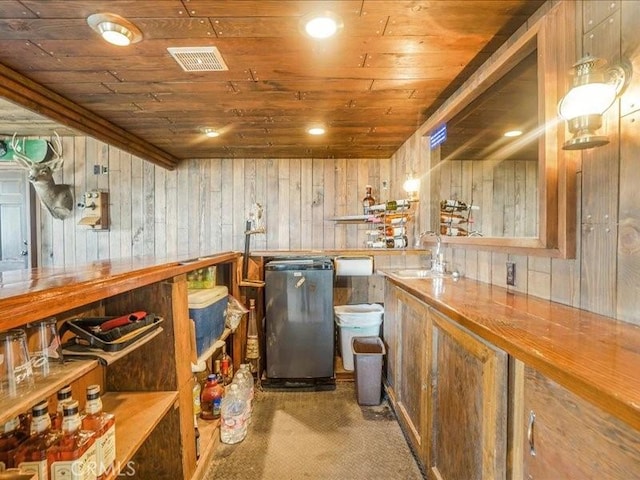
(362, 320)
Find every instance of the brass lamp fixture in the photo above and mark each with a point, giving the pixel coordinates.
(595, 88)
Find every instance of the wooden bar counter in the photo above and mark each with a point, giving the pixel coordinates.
(489, 383)
(595, 356)
(147, 386)
(26, 295)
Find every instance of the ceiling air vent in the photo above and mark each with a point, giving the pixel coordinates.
(198, 59)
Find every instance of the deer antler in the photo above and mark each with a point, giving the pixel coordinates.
(56, 162)
(56, 147)
(22, 159)
(26, 162)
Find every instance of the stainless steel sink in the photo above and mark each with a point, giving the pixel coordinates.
(421, 273)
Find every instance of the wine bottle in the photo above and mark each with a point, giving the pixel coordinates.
(398, 204)
(453, 205)
(368, 200)
(253, 347)
(103, 426)
(397, 242)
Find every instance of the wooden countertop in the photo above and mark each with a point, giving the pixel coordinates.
(594, 356)
(27, 295)
(345, 252)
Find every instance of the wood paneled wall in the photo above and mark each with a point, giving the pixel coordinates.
(202, 206)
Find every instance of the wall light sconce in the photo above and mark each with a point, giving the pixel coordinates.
(115, 29)
(411, 186)
(595, 88)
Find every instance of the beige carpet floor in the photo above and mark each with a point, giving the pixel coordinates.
(317, 435)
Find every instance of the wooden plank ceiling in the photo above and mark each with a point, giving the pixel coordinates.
(371, 86)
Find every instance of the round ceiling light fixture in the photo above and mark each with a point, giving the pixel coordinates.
(513, 133)
(210, 132)
(321, 25)
(316, 131)
(115, 29)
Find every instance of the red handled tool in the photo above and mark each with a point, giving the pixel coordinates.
(122, 321)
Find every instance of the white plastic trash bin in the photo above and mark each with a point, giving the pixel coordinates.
(362, 320)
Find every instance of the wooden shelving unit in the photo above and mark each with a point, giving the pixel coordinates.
(137, 414)
(44, 387)
(148, 386)
(209, 440)
(217, 345)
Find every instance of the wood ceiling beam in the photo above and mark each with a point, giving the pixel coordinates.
(19, 89)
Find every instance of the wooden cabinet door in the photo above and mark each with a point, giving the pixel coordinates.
(390, 338)
(411, 375)
(468, 397)
(564, 436)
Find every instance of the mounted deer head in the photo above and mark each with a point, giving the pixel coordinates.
(57, 198)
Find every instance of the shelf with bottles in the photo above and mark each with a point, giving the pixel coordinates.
(456, 218)
(137, 415)
(44, 387)
(391, 224)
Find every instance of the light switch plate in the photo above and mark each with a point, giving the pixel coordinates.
(511, 273)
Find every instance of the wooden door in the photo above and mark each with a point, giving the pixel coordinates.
(412, 373)
(14, 247)
(468, 396)
(564, 436)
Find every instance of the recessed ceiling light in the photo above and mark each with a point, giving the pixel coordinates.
(513, 133)
(321, 25)
(115, 29)
(316, 131)
(210, 132)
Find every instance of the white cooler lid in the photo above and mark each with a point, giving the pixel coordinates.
(203, 297)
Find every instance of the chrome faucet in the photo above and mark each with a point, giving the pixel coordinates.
(437, 265)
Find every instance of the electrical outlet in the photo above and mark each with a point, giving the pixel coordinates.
(511, 273)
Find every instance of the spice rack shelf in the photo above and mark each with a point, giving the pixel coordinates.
(142, 411)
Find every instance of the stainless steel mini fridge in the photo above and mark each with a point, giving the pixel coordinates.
(299, 320)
